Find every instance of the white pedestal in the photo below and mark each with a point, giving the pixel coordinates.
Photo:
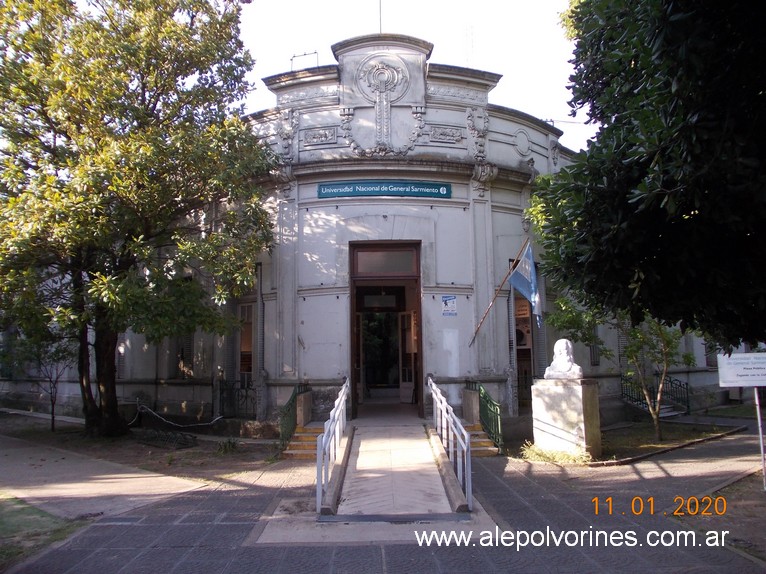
(565, 415)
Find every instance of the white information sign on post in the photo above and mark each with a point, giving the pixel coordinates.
(742, 370)
(746, 370)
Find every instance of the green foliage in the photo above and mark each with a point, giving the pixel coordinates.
(578, 323)
(649, 350)
(228, 446)
(664, 212)
(128, 181)
(652, 348)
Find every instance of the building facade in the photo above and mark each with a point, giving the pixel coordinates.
(397, 210)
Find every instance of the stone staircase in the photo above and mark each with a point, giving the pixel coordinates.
(481, 444)
(303, 445)
(666, 410)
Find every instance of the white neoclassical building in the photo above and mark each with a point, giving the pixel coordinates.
(397, 211)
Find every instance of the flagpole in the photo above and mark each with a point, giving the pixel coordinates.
(516, 261)
(513, 363)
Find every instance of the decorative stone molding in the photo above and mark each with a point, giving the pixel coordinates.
(522, 143)
(457, 94)
(533, 173)
(382, 80)
(445, 134)
(320, 136)
(483, 176)
(381, 149)
(555, 152)
(286, 127)
(477, 121)
(296, 96)
(285, 180)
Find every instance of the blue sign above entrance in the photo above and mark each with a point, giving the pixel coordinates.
(394, 188)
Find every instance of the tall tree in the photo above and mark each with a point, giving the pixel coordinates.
(663, 214)
(128, 195)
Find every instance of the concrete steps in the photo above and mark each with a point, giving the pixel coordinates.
(481, 444)
(303, 445)
(666, 410)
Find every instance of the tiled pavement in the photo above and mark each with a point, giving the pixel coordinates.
(391, 470)
(222, 528)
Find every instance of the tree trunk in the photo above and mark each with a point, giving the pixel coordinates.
(657, 427)
(90, 409)
(54, 392)
(654, 411)
(112, 424)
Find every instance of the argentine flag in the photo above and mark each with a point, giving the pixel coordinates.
(524, 280)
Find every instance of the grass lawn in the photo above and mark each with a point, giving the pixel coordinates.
(639, 438)
(627, 441)
(25, 530)
(738, 411)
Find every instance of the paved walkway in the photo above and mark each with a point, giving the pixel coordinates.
(391, 470)
(391, 483)
(68, 485)
(238, 526)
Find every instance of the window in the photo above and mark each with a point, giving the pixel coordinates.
(385, 260)
(184, 359)
(246, 343)
(711, 354)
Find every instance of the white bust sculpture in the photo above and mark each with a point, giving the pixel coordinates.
(563, 365)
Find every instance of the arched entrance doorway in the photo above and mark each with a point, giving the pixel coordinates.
(385, 330)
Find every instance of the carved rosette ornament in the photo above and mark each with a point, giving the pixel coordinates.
(382, 83)
(382, 80)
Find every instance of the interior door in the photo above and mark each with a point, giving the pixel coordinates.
(407, 356)
(359, 390)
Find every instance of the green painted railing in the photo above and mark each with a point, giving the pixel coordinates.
(288, 415)
(676, 391)
(489, 414)
(673, 391)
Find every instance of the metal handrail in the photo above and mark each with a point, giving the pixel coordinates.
(673, 391)
(455, 439)
(489, 413)
(632, 391)
(677, 391)
(288, 415)
(328, 443)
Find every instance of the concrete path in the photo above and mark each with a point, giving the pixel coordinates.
(69, 485)
(225, 528)
(392, 482)
(392, 471)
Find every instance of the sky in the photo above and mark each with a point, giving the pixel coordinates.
(520, 39)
